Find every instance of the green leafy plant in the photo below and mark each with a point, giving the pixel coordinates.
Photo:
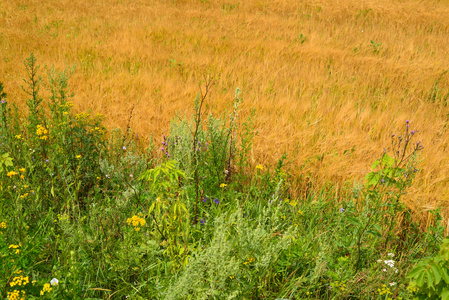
(168, 210)
(429, 279)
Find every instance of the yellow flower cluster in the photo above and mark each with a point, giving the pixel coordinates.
(46, 288)
(19, 137)
(63, 217)
(249, 260)
(136, 221)
(2, 225)
(339, 285)
(259, 167)
(19, 280)
(78, 156)
(15, 295)
(41, 132)
(83, 115)
(223, 185)
(291, 202)
(11, 173)
(15, 248)
(384, 290)
(412, 288)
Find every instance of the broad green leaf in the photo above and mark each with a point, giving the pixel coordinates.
(444, 274)
(416, 271)
(445, 294)
(387, 160)
(436, 272)
(430, 279)
(420, 279)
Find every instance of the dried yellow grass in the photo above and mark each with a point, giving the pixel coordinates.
(309, 68)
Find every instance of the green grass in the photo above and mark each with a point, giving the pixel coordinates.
(190, 218)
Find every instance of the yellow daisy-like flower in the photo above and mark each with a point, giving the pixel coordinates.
(11, 173)
(223, 185)
(22, 169)
(78, 156)
(136, 221)
(15, 248)
(46, 288)
(3, 225)
(259, 167)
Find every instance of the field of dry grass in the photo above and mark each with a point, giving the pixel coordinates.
(330, 81)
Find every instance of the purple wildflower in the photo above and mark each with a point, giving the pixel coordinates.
(217, 201)
(342, 209)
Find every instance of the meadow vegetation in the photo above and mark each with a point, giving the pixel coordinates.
(267, 150)
(87, 214)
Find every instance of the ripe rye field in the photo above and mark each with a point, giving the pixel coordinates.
(330, 81)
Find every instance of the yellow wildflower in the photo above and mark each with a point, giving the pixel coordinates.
(78, 156)
(18, 136)
(11, 173)
(259, 167)
(15, 248)
(15, 295)
(46, 288)
(223, 185)
(41, 131)
(3, 225)
(19, 280)
(136, 222)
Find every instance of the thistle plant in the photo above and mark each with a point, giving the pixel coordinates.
(385, 185)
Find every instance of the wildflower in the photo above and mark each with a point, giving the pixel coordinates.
(46, 288)
(19, 280)
(18, 136)
(136, 222)
(41, 132)
(107, 176)
(15, 295)
(78, 156)
(3, 225)
(54, 281)
(392, 283)
(22, 169)
(217, 201)
(389, 263)
(15, 248)
(390, 254)
(223, 185)
(11, 173)
(342, 209)
(259, 167)
(203, 220)
(124, 148)
(131, 175)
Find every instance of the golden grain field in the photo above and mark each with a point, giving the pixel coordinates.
(330, 81)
